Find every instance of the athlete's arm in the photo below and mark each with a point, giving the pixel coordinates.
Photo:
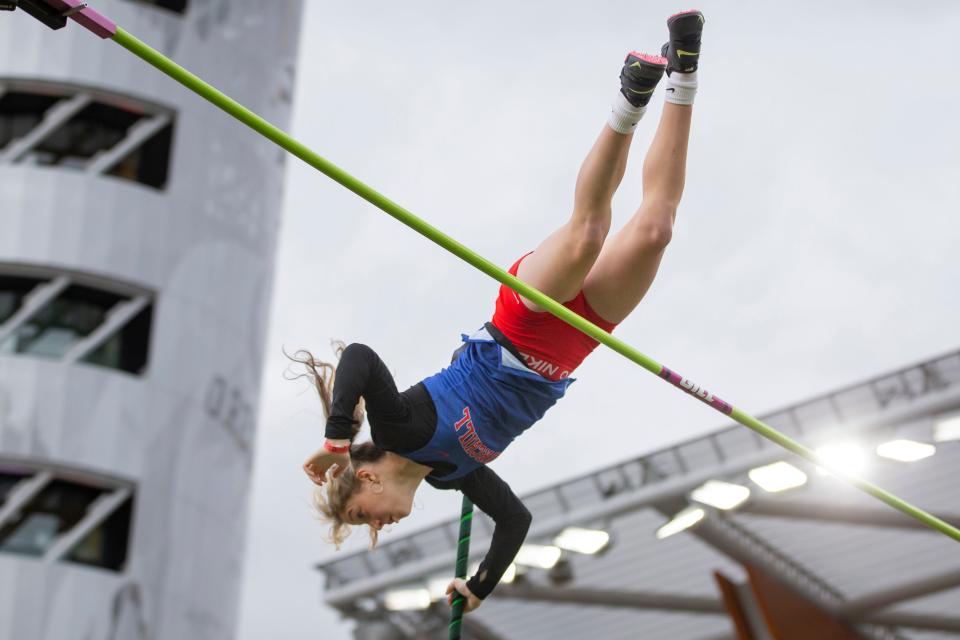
(494, 497)
(361, 372)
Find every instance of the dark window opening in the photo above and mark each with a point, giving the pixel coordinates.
(20, 113)
(104, 136)
(74, 315)
(106, 546)
(12, 292)
(148, 163)
(98, 127)
(128, 348)
(7, 482)
(179, 6)
(56, 509)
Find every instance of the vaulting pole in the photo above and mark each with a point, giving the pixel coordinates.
(463, 555)
(106, 29)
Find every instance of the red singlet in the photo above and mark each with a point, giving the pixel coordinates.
(548, 345)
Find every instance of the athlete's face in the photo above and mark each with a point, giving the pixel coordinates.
(378, 502)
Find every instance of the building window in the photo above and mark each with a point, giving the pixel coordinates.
(56, 509)
(106, 545)
(45, 124)
(7, 482)
(12, 292)
(65, 516)
(21, 113)
(71, 318)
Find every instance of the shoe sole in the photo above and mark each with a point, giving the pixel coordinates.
(649, 58)
(687, 12)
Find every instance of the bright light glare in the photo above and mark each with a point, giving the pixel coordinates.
(842, 457)
(906, 450)
(947, 429)
(437, 586)
(407, 599)
(683, 520)
(722, 495)
(588, 541)
(778, 476)
(537, 555)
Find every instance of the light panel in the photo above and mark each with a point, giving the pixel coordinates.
(720, 495)
(539, 556)
(588, 541)
(778, 476)
(437, 586)
(407, 599)
(947, 428)
(681, 522)
(906, 450)
(844, 457)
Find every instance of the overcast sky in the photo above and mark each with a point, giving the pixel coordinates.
(816, 243)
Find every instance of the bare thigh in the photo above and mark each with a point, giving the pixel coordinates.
(559, 266)
(628, 264)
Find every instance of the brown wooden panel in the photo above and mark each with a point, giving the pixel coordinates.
(790, 616)
(731, 601)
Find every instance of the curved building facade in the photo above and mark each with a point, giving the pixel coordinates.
(138, 227)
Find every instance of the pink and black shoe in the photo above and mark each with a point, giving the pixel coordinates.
(683, 50)
(639, 77)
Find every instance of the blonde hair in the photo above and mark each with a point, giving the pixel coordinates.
(330, 502)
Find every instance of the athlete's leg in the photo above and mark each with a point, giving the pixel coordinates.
(625, 269)
(628, 263)
(560, 264)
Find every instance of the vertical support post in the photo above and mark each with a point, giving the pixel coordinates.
(463, 555)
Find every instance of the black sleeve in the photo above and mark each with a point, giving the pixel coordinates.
(512, 520)
(361, 372)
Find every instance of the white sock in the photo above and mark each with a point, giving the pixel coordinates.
(681, 87)
(623, 115)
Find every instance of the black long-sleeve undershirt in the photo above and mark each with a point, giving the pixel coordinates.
(402, 422)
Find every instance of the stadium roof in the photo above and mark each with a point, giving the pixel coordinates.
(837, 547)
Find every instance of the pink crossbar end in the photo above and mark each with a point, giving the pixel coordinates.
(87, 18)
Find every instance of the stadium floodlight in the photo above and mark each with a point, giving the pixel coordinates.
(778, 476)
(415, 599)
(588, 541)
(847, 458)
(947, 428)
(720, 495)
(681, 522)
(906, 450)
(538, 555)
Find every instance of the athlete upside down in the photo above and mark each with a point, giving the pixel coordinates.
(444, 429)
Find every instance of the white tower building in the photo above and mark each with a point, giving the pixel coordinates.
(138, 227)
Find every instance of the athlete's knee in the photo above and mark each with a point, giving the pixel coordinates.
(587, 236)
(653, 232)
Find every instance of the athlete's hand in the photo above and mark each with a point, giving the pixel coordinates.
(318, 464)
(460, 586)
